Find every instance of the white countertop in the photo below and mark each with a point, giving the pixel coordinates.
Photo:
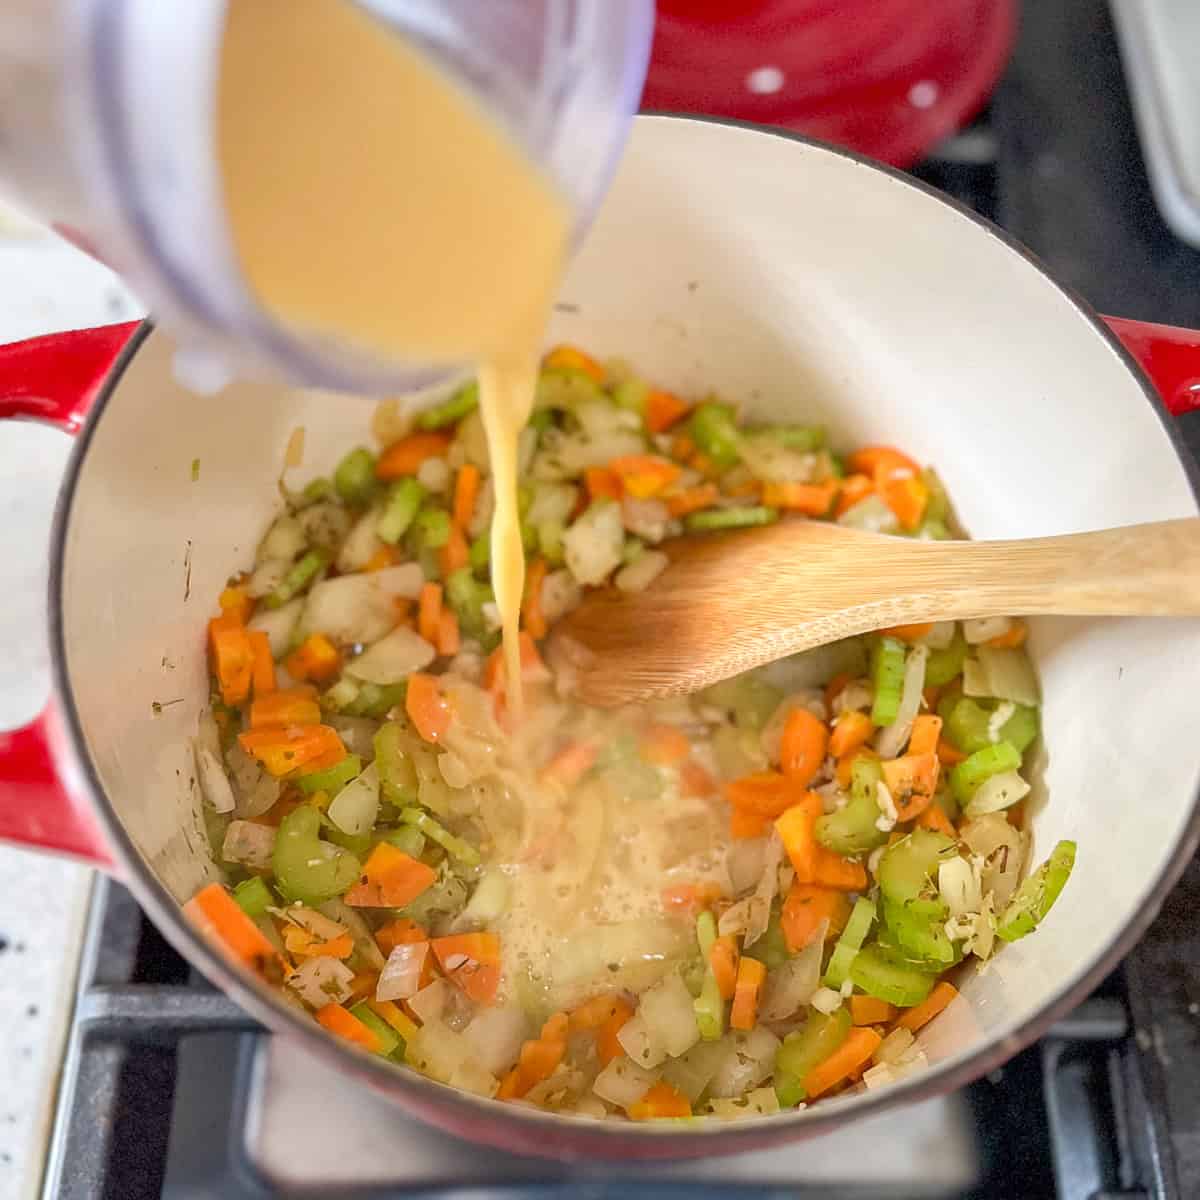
(44, 286)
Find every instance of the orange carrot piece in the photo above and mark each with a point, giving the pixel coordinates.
(571, 358)
(233, 658)
(472, 962)
(835, 687)
(539, 1058)
(400, 932)
(751, 974)
(854, 489)
(811, 499)
(283, 748)
(812, 861)
(664, 409)
(802, 747)
(765, 793)
(315, 658)
(744, 824)
(933, 816)
(909, 633)
(682, 446)
(692, 499)
(570, 764)
(385, 556)
(347, 1026)
(868, 1010)
(856, 1050)
(695, 781)
(236, 602)
(602, 484)
(531, 604)
(291, 706)
(427, 708)
(881, 461)
(429, 611)
(1012, 639)
(608, 1046)
(299, 943)
(921, 1014)
(851, 730)
(593, 1013)
(220, 919)
(743, 488)
(455, 554)
(906, 497)
(390, 879)
(394, 1015)
(406, 456)
(466, 492)
(449, 640)
(949, 755)
(262, 673)
(689, 898)
(806, 907)
(645, 475)
(912, 781)
(664, 745)
(926, 729)
(662, 1100)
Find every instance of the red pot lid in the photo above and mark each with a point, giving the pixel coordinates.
(888, 78)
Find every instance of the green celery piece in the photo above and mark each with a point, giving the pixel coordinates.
(706, 933)
(921, 936)
(358, 844)
(1020, 731)
(837, 466)
(883, 976)
(541, 419)
(397, 773)
(315, 490)
(298, 578)
(339, 697)
(937, 507)
(805, 438)
(907, 868)
(354, 478)
(452, 410)
(332, 779)
(815, 1040)
(967, 725)
(632, 550)
(709, 1008)
(389, 1040)
(933, 530)
(306, 868)
(550, 541)
(431, 527)
(466, 596)
(857, 927)
(1037, 894)
(376, 700)
(481, 552)
(713, 428)
(400, 508)
(887, 675)
(408, 839)
(741, 517)
(852, 829)
(751, 700)
(771, 949)
(946, 664)
(631, 394)
(789, 1091)
(565, 388)
(454, 846)
(983, 764)
(524, 498)
(253, 896)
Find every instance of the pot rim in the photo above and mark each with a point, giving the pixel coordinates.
(528, 1130)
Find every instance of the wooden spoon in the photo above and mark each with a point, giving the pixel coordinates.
(730, 602)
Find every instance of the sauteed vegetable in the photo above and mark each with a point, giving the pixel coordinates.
(727, 904)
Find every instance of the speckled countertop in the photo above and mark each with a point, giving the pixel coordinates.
(44, 286)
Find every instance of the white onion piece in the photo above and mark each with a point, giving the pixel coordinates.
(358, 608)
(320, 925)
(322, 980)
(278, 624)
(761, 1102)
(256, 790)
(940, 636)
(357, 734)
(670, 1016)
(744, 863)
(400, 978)
(361, 543)
(647, 519)
(564, 455)
(470, 1077)
(894, 1046)
(552, 502)
(983, 629)
(1009, 674)
(496, 1035)
(436, 1050)
(995, 841)
(871, 515)
(892, 738)
(877, 1076)
(560, 594)
(959, 887)
(430, 1002)
(354, 809)
(639, 575)
(749, 1059)
(214, 783)
(248, 843)
(434, 474)
(593, 544)
(791, 985)
(487, 904)
(364, 940)
(640, 1043)
(267, 576)
(735, 920)
(623, 1082)
(764, 892)
(856, 696)
(997, 793)
(814, 668)
(284, 540)
(691, 1073)
(975, 680)
(393, 658)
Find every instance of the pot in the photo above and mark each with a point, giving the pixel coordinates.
(812, 285)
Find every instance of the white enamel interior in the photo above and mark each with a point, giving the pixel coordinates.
(810, 287)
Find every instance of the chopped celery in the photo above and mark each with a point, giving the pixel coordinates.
(389, 1041)
(481, 552)
(933, 531)
(306, 868)
(937, 506)
(794, 437)
(853, 936)
(713, 428)
(462, 402)
(253, 896)
(332, 779)
(455, 846)
(632, 549)
(983, 764)
(908, 867)
(740, 517)
(887, 676)
(339, 697)
(853, 829)
(1021, 729)
(885, 977)
(404, 498)
(706, 933)
(815, 1040)
(709, 1008)
(550, 541)
(541, 419)
(564, 387)
(968, 725)
(946, 664)
(358, 844)
(631, 393)
(431, 528)
(316, 490)
(408, 839)
(397, 773)
(751, 700)
(771, 949)
(376, 700)
(299, 576)
(466, 596)
(1037, 894)
(354, 477)
(789, 1091)
(921, 936)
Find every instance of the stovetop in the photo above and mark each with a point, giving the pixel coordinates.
(170, 1090)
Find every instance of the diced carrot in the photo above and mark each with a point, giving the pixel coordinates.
(912, 781)
(695, 781)
(921, 1014)
(299, 943)
(811, 499)
(885, 461)
(322, 762)
(835, 687)
(283, 748)
(291, 706)
(429, 611)
(1015, 637)
(531, 604)
(723, 960)
(664, 745)
(539, 1058)
(751, 974)
(510, 1086)
(571, 358)
(802, 747)
(844, 770)
(744, 488)
(400, 932)
(664, 409)
(854, 489)
(455, 554)
(466, 492)
(933, 816)
(812, 861)
(219, 918)
(263, 671)
(346, 1025)
(607, 1045)
(363, 985)
(692, 499)
(390, 879)
(765, 793)
(236, 602)
(906, 497)
(592, 1014)
(806, 907)
(406, 456)
(472, 962)
(689, 897)
(602, 484)
(645, 475)
(851, 730)
(682, 446)
(385, 556)
(427, 708)
(449, 640)
(233, 658)
(856, 1050)
(744, 824)
(570, 764)
(909, 633)
(867, 1010)
(705, 465)
(662, 1100)
(926, 729)
(316, 658)
(395, 1016)
(948, 754)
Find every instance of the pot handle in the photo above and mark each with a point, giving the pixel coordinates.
(53, 379)
(1170, 356)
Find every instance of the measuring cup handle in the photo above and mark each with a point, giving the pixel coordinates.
(43, 798)
(1170, 356)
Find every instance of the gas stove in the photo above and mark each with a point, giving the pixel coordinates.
(171, 1091)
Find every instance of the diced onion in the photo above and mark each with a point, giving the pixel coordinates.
(487, 904)
(434, 474)
(593, 544)
(669, 1016)
(959, 887)
(647, 519)
(496, 1035)
(322, 980)
(248, 843)
(791, 985)
(357, 733)
(856, 696)
(1010, 674)
(641, 574)
(814, 668)
(359, 608)
(997, 793)
(749, 1059)
(319, 924)
(744, 863)
(214, 783)
(983, 629)
(871, 515)
(894, 1046)
(430, 1002)
(267, 576)
(393, 658)
(975, 680)
(560, 594)
(940, 636)
(565, 455)
(400, 978)
(470, 1077)
(764, 892)
(436, 1050)
(999, 719)
(552, 502)
(761, 1102)
(640, 1043)
(284, 540)
(691, 1073)
(826, 1000)
(878, 1076)
(354, 809)
(364, 940)
(361, 543)
(999, 845)
(278, 624)
(623, 1082)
